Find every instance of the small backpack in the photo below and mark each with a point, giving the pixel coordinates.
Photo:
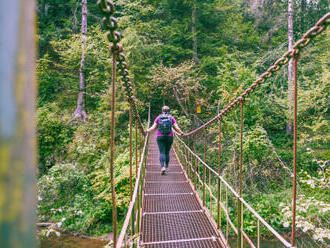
(165, 124)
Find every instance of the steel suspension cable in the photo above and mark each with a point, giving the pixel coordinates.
(294, 53)
(110, 23)
(112, 146)
(119, 60)
(317, 29)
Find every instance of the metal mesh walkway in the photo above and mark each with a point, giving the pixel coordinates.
(172, 215)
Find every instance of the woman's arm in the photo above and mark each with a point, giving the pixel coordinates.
(176, 127)
(154, 126)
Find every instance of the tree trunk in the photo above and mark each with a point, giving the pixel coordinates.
(289, 126)
(17, 124)
(80, 112)
(75, 19)
(194, 36)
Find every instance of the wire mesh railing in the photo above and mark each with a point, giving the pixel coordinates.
(129, 235)
(201, 172)
(221, 200)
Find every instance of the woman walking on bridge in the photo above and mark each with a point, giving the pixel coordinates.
(164, 122)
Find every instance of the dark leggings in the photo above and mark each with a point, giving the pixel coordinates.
(164, 145)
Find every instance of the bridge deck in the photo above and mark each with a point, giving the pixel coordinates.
(172, 215)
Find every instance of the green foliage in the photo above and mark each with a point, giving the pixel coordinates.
(313, 209)
(262, 169)
(58, 72)
(236, 41)
(76, 196)
(177, 84)
(54, 136)
(65, 197)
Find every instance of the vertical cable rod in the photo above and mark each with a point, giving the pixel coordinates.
(294, 187)
(131, 161)
(136, 147)
(240, 205)
(130, 153)
(219, 172)
(112, 147)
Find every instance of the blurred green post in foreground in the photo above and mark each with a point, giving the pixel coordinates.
(17, 123)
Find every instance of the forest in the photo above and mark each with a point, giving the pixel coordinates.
(184, 54)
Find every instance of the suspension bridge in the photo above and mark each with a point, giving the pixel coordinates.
(192, 205)
(187, 206)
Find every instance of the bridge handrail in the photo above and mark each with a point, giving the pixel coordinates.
(138, 181)
(123, 231)
(317, 29)
(263, 221)
(292, 56)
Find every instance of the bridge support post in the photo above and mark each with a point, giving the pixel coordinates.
(141, 145)
(136, 147)
(130, 153)
(112, 146)
(196, 174)
(189, 164)
(131, 160)
(239, 203)
(294, 187)
(204, 171)
(186, 156)
(219, 181)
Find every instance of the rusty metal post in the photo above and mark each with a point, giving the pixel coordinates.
(191, 166)
(18, 156)
(130, 153)
(219, 172)
(143, 164)
(136, 147)
(133, 218)
(204, 171)
(196, 173)
(188, 166)
(294, 188)
(258, 234)
(210, 190)
(194, 137)
(227, 222)
(239, 203)
(187, 159)
(141, 145)
(130, 160)
(188, 153)
(139, 208)
(185, 156)
(204, 145)
(112, 147)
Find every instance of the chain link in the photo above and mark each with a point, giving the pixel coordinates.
(317, 29)
(110, 23)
